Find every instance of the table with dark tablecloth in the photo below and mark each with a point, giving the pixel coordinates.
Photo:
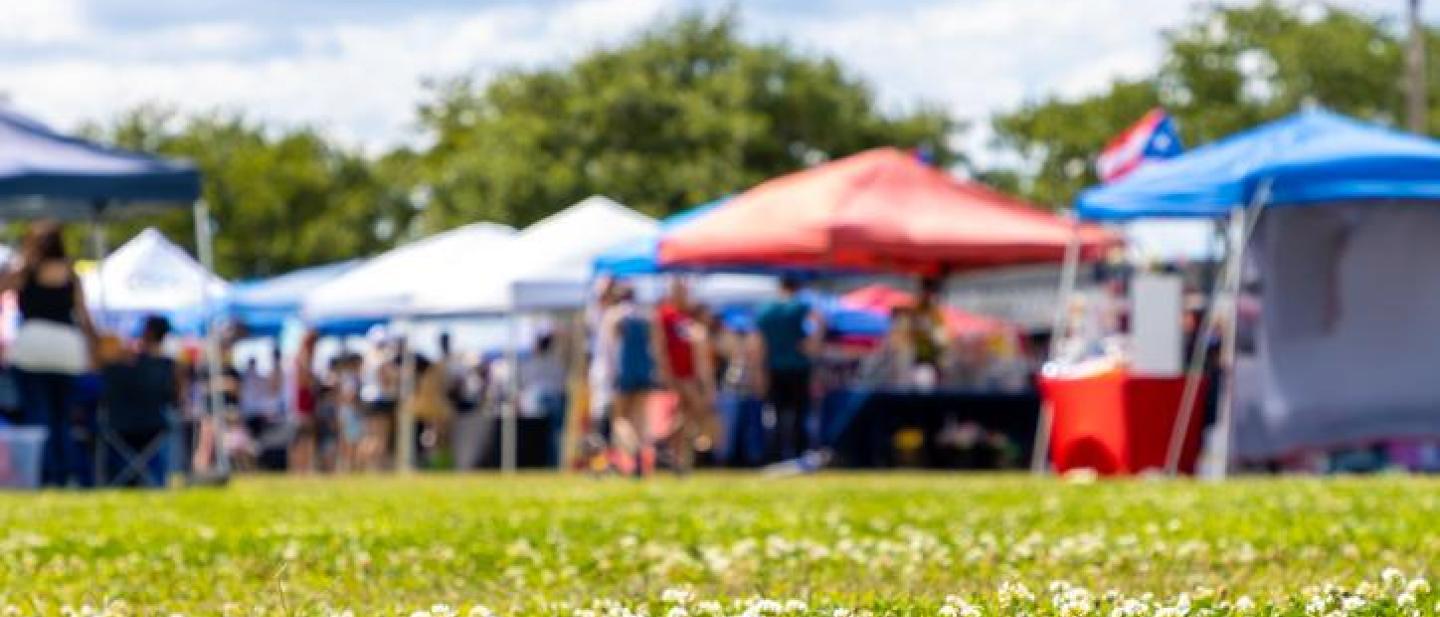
(860, 425)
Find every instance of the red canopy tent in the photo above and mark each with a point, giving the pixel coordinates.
(884, 299)
(878, 210)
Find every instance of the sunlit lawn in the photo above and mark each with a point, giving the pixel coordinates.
(827, 545)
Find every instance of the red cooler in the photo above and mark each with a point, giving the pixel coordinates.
(1117, 423)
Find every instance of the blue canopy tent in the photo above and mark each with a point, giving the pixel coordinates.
(1312, 157)
(644, 257)
(1342, 341)
(44, 174)
(263, 306)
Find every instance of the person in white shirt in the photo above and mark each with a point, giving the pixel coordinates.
(261, 395)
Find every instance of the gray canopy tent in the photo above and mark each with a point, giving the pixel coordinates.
(44, 174)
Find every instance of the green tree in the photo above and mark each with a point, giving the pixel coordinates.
(1225, 70)
(682, 114)
(282, 199)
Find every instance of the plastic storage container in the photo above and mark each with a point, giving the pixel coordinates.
(20, 456)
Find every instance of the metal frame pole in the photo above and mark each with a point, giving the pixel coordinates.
(1225, 296)
(405, 412)
(204, 245)
(1069, 272)
(509, 432)
(98, 248)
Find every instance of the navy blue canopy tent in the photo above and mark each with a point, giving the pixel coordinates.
(68, 178)
(1344, 258)
(44, 174)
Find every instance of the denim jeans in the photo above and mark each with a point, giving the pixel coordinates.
(46, 400)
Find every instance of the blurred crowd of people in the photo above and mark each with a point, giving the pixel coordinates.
(624, 387)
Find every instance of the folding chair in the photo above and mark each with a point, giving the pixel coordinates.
(132, 427)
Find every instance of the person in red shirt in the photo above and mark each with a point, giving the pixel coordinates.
(304, 446)
(678, 335)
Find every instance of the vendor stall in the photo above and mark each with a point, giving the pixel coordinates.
(883, 211)
(44, 174)
(1337, 216)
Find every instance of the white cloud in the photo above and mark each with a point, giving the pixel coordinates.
(41, 21)
(358, 81)
(360, 78)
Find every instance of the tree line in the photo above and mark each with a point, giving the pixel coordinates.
(688, 111)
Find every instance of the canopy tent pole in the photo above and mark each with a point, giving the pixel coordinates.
(1069, 272)
(509, 413)
(1224, 296)
(1225, 410)
(204, 245)
(405, 412)
(98, 250)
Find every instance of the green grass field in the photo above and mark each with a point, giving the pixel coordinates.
(828, 545)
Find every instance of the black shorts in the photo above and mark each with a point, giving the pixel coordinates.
(383, 408)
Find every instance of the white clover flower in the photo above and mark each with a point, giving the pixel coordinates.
(1316, 605)
(1367, 589)
(1392, 577)
(1418, 586)
(584, 612)
(1014, 593)
(710, 607)
(676, 596)
(766, 606)
(480, 610)
(1244, 605)
(420, 614)
(443, 610)
(796, 606)
(949, 610)
(1405, 599)
(677, 611)
(1351, 604)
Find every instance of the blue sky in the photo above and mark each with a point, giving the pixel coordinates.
(354, 67)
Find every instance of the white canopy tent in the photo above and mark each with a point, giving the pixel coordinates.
(390, 285)
(150, 275)
(549, 264)
(549, 267)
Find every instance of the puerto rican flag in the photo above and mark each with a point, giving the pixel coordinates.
(1153, 137)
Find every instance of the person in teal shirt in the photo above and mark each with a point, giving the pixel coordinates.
(787, 336)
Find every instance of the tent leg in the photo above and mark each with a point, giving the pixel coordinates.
(1069, 272)
(1226, 297)
(508, 421)
(204, 245)
(1195, 370)
(1225, 412)
(405, 414)
(98, 249)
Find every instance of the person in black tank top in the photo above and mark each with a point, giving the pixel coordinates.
(51, 303)
(49, 291)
